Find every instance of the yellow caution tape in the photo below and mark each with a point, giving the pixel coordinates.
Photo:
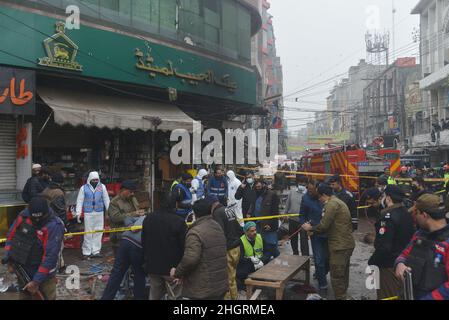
(341, 175)
(391, 298)
(138, 228)
(13, 205)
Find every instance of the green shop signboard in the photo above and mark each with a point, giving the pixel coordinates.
(35, 41)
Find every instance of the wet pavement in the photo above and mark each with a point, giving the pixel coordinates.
(94, 274)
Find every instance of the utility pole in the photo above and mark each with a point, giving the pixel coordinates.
(393, 28)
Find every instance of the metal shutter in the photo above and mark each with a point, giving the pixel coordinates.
(7, 154)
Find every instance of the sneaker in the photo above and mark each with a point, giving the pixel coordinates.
(86, 257)
(97, 256)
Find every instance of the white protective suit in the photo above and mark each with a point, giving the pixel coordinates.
(93, 220)
(233, 185)
(195, 185)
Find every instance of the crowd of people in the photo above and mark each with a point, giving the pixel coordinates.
(197, 245)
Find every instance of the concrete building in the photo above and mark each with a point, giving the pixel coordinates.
(345, 101)
(385, 104)
(105, 95)
(433, 108)
(269, 67)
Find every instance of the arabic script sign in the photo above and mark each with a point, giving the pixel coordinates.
(169, 70)
(17, 91)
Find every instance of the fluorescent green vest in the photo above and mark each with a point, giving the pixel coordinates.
(249, 250)
(391, 181)
(446, 179)
(174, 185)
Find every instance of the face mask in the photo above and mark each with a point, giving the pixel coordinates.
(250, 180)
(93, 184)
(39, 221)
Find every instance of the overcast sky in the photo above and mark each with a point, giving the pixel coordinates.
(319, 39)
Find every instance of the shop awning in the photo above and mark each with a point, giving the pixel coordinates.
(113, 112)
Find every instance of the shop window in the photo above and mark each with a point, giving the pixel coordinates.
(154, 12)
(90, 8)
(212, 21)
(230, 27)
(167, 15)
(141, 11)
(191, 21)
(125, 10)
(112, 5)
(244, 23)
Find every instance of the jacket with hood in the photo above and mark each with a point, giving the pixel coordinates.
(233, 186)
(269, 207)
(198, 187)
(248, 196)
(80, 203)
(203, 265)
(56, 200)
(163, 239)
(33, 187)
(228, 221)
(49, 238)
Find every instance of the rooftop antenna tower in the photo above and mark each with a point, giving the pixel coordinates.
(377, 47)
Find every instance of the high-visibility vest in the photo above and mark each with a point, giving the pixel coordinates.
(93, 200)
(446, 179)
(187, 200)
(392, 181)
(174, 184)
(249, 250)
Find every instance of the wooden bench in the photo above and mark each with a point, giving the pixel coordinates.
(277, 273)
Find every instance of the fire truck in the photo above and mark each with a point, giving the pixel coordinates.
(356, 166)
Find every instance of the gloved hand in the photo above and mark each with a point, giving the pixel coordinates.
(5, 260)
(259, 265)
(255, 260)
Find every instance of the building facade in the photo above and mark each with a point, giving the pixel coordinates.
(106, 94)
(385, 104)
(271, 78)
(431, 111)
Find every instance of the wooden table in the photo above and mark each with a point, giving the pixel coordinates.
(277, 273)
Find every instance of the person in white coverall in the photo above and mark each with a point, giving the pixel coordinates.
(198, 188)
(93, 200)
(233, 185)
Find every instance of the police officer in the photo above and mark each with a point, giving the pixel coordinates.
(336, 223)
(347, 197)
(387, 175)
(123, 206)
(446, 177)
(394, 229)
(183, 196)
(427, 255)
(33, 245)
